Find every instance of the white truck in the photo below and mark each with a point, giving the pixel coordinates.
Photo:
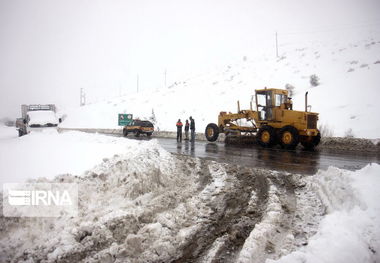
(36, 117)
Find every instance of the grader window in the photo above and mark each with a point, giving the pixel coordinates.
(280, 99)
(261, 100)
(264, 105)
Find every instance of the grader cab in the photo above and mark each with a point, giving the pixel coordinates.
(272, 122)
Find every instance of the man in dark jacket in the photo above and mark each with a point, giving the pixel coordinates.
(187, 128)
(179, 130)
(192, 129)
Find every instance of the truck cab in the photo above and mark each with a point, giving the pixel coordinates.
(268, 100)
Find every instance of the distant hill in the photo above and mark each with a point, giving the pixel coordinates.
(342, 77)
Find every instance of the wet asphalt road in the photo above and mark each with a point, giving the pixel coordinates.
(298, 161)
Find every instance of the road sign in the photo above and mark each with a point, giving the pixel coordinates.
(125, 119)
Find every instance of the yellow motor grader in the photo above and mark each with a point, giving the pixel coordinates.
(274, 121)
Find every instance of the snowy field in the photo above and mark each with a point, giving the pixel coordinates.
(46, 153)
(347, 66)
(139, 203)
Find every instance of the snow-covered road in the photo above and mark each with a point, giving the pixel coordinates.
(139, 203)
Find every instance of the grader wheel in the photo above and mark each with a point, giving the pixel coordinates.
(266, 136)
(212, 132)
(289, 137)
(125, 132)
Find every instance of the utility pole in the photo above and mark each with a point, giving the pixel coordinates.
(276, 46)
(137, 83)
(82, 100)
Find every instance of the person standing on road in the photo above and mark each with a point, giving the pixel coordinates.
(192, 128)
(179, 130)
(187, 127)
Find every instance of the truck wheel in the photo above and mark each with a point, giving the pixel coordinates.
(20, 133)
(289, 137)
(137, 134)
(266, 136)
(310, 145)
(212, 132)
(125, 132)
(149, 134)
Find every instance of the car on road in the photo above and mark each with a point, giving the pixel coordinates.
(138, 127)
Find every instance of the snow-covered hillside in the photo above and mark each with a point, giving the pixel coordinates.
(346, 97)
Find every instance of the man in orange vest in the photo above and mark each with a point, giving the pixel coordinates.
(179, 130)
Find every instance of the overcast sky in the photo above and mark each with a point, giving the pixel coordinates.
(50, 49)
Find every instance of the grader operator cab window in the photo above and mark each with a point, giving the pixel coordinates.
(280, 99)
(264, 105)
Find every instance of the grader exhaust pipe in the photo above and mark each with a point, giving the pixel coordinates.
(306, 101)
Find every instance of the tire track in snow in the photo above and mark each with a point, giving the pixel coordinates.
(231, 220)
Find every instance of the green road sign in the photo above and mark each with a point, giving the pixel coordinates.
(125, 119)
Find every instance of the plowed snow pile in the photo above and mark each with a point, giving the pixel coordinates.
(350, 230)
(148, 205)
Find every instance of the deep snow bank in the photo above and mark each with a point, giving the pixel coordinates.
(48, 153)
(151, 206)
(350, 231)
(350, 144)
(140, 206)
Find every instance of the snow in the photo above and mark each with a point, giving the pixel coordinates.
(47, 153)
(42, 117)
(7, 133)
(125, 189)
(347, 65)
(151, 202)
(254, 246)
(137, 201)
(350, 232)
